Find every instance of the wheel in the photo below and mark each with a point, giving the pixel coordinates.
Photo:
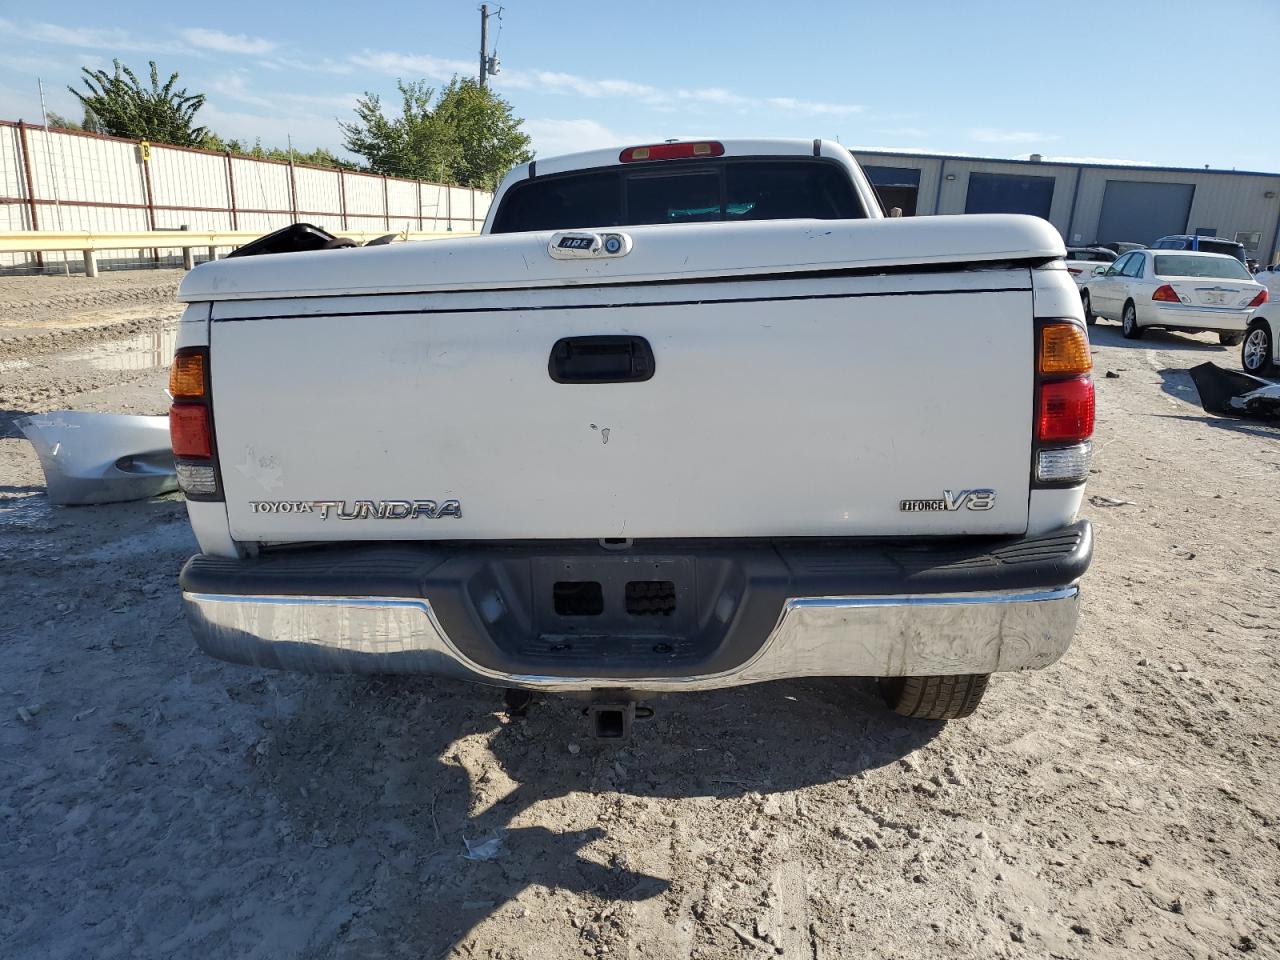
(1089, 316)
(1129, 322)
(1256, 354)
(935, 698)
(1231, 339)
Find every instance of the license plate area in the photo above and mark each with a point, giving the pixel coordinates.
(619, 597)
(587, 611)
(1215, 298)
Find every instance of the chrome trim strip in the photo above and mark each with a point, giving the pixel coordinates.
(1199, 308)
(900, 635)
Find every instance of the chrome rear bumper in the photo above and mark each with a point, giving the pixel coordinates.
(1223, 319)
(875, 636)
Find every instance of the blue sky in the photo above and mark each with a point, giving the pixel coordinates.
(1068, 79)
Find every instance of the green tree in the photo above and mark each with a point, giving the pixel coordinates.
(123, 107)
(319, 157)
(467, 135)
(58, 122)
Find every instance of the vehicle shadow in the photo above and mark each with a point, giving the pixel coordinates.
(1106, 333)
(8, 422)
(1177, 383)
(1266, 429)
(413, 773)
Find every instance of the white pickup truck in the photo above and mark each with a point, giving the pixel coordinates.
(689, 415)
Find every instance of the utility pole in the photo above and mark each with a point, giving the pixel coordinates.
(488, 64)
(484, 42)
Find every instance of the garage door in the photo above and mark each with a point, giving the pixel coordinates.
(1144, 212)
(1007, 193)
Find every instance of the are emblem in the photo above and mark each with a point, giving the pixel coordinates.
(588, 245)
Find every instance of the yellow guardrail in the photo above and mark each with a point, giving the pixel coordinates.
(89, 243)
(51, 241)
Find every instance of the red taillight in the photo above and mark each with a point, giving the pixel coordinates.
(1260, 299)
(1066, 411)
(672, 151)
(1075, 270)
(1166, 294)
(191, 425)
(189, 430)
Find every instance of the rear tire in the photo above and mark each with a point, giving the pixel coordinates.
(1258, 350)
(1231, 339)
(1129, 322)
(1090, 317)
(949, 697)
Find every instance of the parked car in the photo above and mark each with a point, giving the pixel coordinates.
(1176, 290)
(1260, 354)
(1081, 261)
(535, 459)
(1269, 277)
(1121, 247)
(1187, 241)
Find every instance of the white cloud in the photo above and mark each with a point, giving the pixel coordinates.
(552, 82)
(990, 135)
(408, 65)
(906, 132)
(314, 65)
(570, 84)
(308, 132)
(221, 42)
(37, 66)
(816, 108)
(22, 102)
(554, 137)
(234, 86)
(111, 39)
(713, 95)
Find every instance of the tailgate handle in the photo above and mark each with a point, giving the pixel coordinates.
(606, 359)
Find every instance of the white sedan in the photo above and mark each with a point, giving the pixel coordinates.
(1260, 354)
(1182, 290)
(1081, 262)
(1269, 277)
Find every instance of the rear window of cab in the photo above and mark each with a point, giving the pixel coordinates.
(674, 192)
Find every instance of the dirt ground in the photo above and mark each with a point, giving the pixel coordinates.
(156, 803)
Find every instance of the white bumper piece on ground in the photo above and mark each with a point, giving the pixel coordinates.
(101, 457)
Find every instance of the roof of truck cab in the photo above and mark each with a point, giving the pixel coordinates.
(610, 156)
(828, 150)
(664, 253)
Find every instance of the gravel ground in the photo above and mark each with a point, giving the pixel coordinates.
(155, 803)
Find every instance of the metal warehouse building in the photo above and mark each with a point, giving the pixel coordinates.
(1088, 203)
